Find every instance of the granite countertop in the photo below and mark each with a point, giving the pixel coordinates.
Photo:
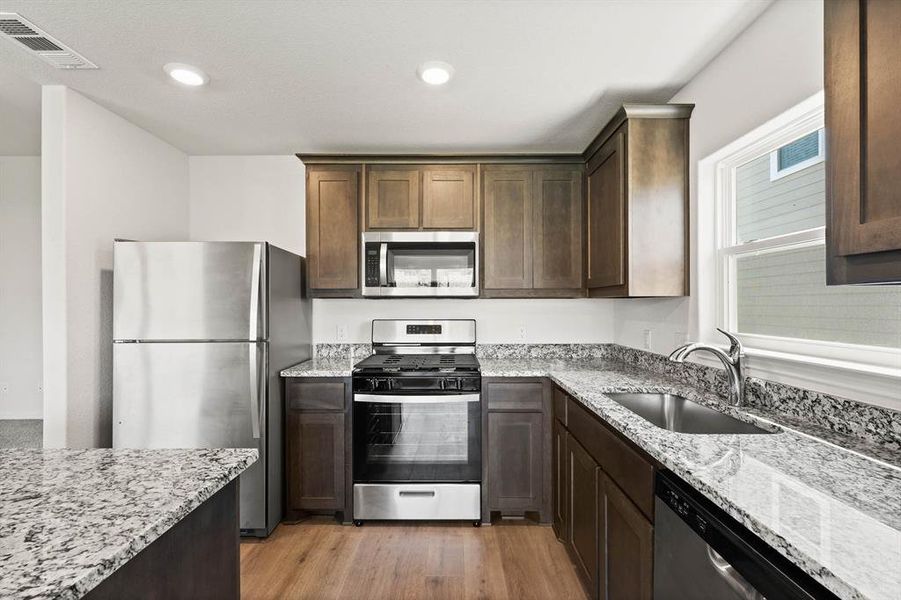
(833, 512)
(322, 367)
(70, 518)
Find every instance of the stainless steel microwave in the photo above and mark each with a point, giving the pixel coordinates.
(420, 263)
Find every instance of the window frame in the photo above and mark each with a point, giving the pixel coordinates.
(871, 373)
(776, 173)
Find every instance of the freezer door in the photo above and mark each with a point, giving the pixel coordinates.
(195, 395)
(189, 291)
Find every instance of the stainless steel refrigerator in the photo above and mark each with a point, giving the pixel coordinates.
(201, 331)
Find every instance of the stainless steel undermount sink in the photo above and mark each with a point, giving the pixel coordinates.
(681, 415)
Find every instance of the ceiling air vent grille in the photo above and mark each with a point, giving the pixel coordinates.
(45, 47)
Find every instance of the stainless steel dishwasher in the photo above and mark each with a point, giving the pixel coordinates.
(701, 553)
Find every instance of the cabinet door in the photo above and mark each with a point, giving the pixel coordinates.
(584, 517)
(557, 229)
(333, 228)
(607, 214)
(393, 198)
(315, 469)
(514, 461)
(863, 125)
(448, 198)
(560, 481)
(507, 229)
(627, 547)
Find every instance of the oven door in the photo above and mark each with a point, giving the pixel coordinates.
(421, 263)
(431, 438)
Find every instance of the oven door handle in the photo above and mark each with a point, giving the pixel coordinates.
(421, 399)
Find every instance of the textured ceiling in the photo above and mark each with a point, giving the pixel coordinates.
(311, 76)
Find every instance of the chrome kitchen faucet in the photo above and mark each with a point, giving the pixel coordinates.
(732, 362)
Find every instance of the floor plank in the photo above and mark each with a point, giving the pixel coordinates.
(321, 560)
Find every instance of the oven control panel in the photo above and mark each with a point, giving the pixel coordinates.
(415, 384)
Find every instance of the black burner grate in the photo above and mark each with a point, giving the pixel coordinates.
(420, 362)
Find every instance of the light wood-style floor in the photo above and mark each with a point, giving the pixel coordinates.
(324, 560)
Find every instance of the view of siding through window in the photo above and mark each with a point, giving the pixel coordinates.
(798, 151)
(767, 208)
(782, 292)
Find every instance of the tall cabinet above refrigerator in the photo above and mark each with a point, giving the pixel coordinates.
(201, 331)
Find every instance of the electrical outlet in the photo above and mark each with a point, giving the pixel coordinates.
(4, 387)
(341, 333)
(647, 339)
(522, 332)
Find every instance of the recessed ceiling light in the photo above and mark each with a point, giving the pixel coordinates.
(435, 72)
(186, 74)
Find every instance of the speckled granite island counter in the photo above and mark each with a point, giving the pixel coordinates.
(77, 523)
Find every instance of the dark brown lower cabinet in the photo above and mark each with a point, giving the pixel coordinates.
(608, 537)
(628, 546)
(561, 481)
(316, 460)
(516, 449)
(318, 476)
(585, 523)
(514, 461)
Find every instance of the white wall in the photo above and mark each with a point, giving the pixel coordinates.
(248, 198)
(498, 320)
(102, 178)
(20, 287)
(776, 63)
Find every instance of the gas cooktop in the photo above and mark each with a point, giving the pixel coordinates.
(399, 363)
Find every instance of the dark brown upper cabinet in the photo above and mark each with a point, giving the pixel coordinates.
(507, 230)
(532, 230)
(421, 197)
(333, 229)
(637, 180)
(863, 125)
(557, 229)
(448, 197)
(392, 198)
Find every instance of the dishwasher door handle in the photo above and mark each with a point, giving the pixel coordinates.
(732, 577)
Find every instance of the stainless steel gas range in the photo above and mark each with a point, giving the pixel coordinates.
(417, 423)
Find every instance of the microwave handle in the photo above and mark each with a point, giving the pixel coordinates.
(383, 264)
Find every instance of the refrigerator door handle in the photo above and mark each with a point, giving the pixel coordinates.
(254, 365)
(255, 275)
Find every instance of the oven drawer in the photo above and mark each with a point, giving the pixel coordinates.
(417, 501)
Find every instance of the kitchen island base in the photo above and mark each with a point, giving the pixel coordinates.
(198, 557)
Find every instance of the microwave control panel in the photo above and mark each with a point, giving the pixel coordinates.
(372, 265)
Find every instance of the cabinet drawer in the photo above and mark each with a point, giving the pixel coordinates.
(560, 405)
(315, 395)
(633, 473)
(519, 395)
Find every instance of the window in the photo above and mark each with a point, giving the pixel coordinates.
(798, 155)
(769, 196)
